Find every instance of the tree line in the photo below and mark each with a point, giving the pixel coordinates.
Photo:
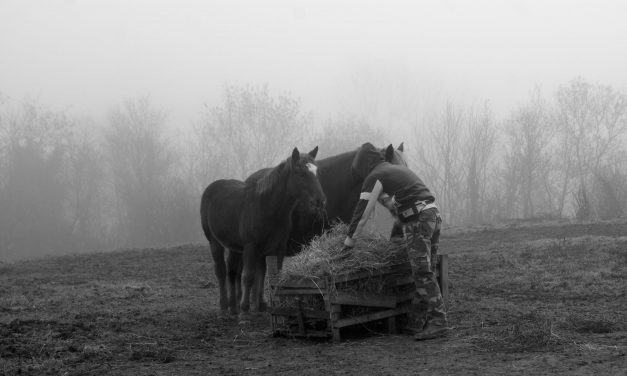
(67, 185)
(556, 157)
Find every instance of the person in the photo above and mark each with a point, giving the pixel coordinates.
(407, 198)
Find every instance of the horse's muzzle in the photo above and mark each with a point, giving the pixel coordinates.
(317, 205)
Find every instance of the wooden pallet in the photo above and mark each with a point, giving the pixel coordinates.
(322, 307)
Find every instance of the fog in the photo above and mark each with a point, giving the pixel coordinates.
(78, 79)
(87, 55)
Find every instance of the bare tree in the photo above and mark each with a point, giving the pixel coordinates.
(593, 123)
(141, 162)
(611, 185)
(85, 177)
(478, 147)
(250, 130)
(528, 140)
(439, 160)
(33, 219)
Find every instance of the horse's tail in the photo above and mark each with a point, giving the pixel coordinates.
(204, 213)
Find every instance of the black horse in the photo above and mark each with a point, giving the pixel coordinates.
(253, 219)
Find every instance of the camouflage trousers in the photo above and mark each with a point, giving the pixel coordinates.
(421, 236)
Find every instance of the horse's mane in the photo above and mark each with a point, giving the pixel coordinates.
(271, 177)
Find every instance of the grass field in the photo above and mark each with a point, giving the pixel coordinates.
(526, 298)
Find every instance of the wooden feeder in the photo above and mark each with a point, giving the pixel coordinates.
(321, 307)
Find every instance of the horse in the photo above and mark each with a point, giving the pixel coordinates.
(253, 219)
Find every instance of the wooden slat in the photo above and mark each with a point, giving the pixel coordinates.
(301, 318)
(399, 281)
(309, 314)
(368, 274)
(409, 295)
(372, 316)
(300, 283)
(298, 292)
(367, 300)
(308, 334)
(272, 266)
(336, 311)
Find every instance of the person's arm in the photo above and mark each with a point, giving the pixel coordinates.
(388, 202)
(363, 211)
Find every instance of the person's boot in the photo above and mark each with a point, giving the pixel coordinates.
(417, 318)
(433, 329)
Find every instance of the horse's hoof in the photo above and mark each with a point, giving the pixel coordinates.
(223, 315)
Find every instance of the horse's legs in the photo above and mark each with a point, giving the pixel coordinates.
(238, 281)
(259, 304)
(234, 274)
(248, 280)
(219, 267)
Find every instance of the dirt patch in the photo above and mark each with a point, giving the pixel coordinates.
(531, 299)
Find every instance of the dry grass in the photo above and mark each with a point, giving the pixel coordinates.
(540, 299)
(587, 323)
(528, 332)
(323, 256)
(541, 295)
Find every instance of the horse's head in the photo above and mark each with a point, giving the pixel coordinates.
(303, 183)
(368, 157)
(394, 156)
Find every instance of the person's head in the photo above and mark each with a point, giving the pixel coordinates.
(367, 158)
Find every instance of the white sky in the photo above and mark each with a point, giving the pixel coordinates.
(88, 56)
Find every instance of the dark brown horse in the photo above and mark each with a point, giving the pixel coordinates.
(253, 219)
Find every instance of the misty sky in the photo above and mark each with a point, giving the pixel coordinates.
(87, 56)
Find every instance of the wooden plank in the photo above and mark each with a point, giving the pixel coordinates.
(307, 313)
(443, 278)
(272, 266)
(406, 280)
(300, 283)
(301, 318)
(308, 334)
(335, 310)
(298, 292)
(391, 324)
(409, 295)
(374, 273)
(371, 316)
(367, 300)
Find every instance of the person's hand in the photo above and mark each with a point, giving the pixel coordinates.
(346, 250)
(349, 242)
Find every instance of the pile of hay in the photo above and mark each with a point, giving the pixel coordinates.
(321, 257)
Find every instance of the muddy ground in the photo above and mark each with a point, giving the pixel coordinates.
(526, 299)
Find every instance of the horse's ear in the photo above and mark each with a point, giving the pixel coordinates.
(295, 156)
(314, 152)
(389, 153)
(400, 148)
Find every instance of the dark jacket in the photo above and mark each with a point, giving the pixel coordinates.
(396, 181)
